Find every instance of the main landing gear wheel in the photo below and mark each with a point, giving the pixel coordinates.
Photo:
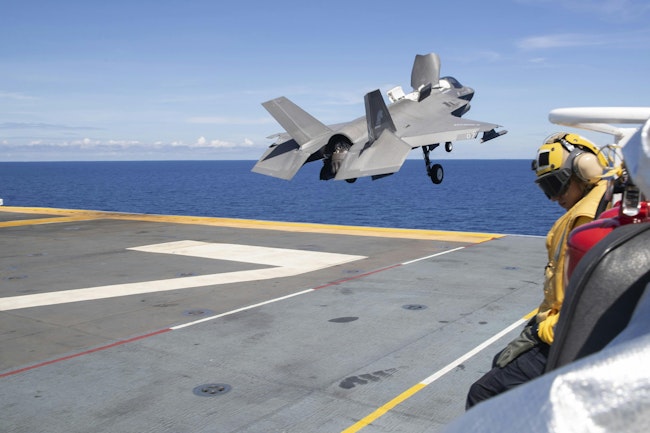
(436, 173)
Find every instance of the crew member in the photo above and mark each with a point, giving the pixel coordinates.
(568, 169)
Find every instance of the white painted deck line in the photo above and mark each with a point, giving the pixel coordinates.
(286, 262)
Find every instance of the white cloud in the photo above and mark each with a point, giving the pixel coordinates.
(88, 143)
(621, 9)
(124, 143)
(489, 56)
(222, 144)
(626, 10)
(202, 142)
(216, 120)
(15, 96)
(561, 41)
(43, 126)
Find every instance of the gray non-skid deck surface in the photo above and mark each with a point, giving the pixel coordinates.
(316, 362)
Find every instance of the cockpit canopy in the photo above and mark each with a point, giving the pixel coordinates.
(449, 82)
(396, 93)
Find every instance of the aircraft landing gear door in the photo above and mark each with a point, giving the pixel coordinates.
(435, 171)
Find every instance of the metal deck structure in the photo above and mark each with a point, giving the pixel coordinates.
(115, 322)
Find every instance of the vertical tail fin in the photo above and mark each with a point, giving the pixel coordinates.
(384, 153)
(377, 115)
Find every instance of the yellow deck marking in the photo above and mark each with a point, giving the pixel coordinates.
(36, 221)
(381, 411)
(80, 215)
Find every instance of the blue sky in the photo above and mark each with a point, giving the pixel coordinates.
(185, 79)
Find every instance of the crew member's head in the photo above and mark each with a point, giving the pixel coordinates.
(567, 166)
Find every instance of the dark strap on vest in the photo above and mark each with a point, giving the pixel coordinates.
(602, 205)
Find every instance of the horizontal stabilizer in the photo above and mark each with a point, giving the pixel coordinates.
(385, 156)
(300, 125)
(282, 160)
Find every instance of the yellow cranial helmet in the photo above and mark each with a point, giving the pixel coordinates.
(565, 154)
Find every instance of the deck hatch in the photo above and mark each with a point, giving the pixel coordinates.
(198, 312)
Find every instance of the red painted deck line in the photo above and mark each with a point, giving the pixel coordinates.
(344, 280)
(162, 331)
(87, 352)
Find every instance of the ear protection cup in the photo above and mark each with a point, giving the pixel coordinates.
(584, 165)
(587, 167)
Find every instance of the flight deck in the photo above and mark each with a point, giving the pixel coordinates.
(114, 322)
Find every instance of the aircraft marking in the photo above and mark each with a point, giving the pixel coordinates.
(279, 262)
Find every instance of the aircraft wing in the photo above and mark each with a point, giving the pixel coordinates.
(443, 129)
(308, 135)
(282, 160)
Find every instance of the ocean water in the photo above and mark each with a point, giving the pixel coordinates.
(494, 196)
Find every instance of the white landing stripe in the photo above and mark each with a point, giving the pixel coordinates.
(286, 263)
(438, 374)
(433, 255)
(238, 310)
(387, 407)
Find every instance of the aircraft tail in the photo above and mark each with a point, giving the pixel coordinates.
(384, 153)
(377, 115)
(300, 125)
(426, 70)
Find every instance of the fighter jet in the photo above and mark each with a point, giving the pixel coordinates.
(377, 145)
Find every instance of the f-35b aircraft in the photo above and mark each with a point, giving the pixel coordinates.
(377, 145)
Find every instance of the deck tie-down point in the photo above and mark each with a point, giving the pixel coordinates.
(211, 389)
